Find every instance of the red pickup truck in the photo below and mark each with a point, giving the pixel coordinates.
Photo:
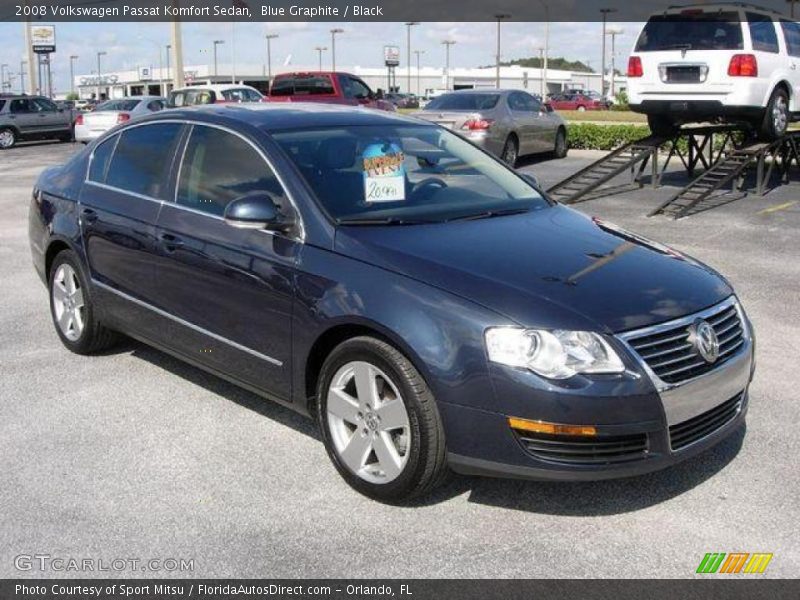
(325, 86)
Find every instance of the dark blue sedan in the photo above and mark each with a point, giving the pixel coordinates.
(426, 304)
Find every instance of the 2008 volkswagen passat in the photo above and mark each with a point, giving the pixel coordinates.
(427, 305)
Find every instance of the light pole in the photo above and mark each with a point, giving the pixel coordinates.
(409, 25)
(99, 75)
(72, 60)
(269, 37)
(613, 32)
(605, 12)
(333, 46)
(22, 65)
(500, 17)
(447, 44)
(216, 43)
(320, 50)
(169, 77)
(3, 68)
(791, 9)
(418, 53)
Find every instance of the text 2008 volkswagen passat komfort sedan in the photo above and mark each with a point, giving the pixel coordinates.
(424, 302)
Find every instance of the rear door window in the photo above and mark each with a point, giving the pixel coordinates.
(142, 159)
(218, 167)
(762, 32)
(692, 31)
(791, 33)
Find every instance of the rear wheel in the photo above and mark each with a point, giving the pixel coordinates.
(776, 117)
(69, 136)
(560, 149)
(510, 152)
(581, 109)
(72, 309)
(8, 138)
(661, 125)
(379, 421)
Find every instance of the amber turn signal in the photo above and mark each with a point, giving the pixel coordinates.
(551, 428)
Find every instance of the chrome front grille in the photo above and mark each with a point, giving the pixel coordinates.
(669, 352)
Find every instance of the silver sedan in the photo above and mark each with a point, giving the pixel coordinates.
(507, 123)
(91, 125)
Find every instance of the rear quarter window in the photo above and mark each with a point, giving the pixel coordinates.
(142, 158)
(100, 158)
(762, 33)
(791, 33)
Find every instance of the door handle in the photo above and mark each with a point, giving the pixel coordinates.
(170, 242)
(89, 215)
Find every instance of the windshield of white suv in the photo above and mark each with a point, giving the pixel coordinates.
(692, 31)
(404, 174)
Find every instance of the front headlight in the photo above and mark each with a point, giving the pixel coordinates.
(554, 354)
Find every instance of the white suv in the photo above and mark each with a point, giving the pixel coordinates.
(717, 62)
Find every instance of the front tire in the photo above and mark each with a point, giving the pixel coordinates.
(72, 310)
(379, 421)
(776, 117)
(561, 148)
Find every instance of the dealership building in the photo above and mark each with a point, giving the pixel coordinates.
(425, 81)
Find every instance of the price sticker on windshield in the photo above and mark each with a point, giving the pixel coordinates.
(384, 174)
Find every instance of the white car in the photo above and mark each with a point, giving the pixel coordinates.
(214, 94)
(717, 62)
(91, 125)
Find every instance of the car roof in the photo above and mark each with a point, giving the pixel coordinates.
(291, 115)
(708, 7)
(216, 87)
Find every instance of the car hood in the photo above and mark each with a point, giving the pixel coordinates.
(551, 268)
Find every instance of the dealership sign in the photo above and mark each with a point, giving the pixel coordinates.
(104, 80)
(43, 39)
(391, 56)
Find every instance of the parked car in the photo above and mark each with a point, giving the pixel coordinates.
(581, 101)
(730, 63)
(213, 94)
(85, 105)
(507, 123)
(113, 112)
(25, 117)
(325, 86)
(402, 100)
(425, 302)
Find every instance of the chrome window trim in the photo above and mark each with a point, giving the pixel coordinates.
(301, 231)
(211, 334)
(661, 385)
(121, 191)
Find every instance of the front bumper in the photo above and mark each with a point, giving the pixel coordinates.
(640, 428)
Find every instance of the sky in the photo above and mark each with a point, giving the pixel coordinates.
(131, 45)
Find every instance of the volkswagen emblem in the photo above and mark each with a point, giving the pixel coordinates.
(704, 338)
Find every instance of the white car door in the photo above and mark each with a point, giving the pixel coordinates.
(772, 59)
(791, 38)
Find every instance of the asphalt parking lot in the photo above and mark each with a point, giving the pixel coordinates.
(134, 454)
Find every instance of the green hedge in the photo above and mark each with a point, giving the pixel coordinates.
(594, 136)
(591, 136)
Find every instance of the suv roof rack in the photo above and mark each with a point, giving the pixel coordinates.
(702, 5)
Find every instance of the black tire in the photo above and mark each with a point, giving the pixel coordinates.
(561, 147)
(510, 153)
(68, 137)
(662, 125)
(8, 138)
(426, 463)
(774, 125)
(94, 337)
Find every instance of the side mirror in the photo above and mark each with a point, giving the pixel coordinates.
(256, 210)
(531, 179)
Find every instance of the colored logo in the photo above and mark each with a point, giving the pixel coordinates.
(735, 562)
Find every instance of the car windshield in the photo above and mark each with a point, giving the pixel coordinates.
(692, 31)
(464, 102)
(404, 174)
(118, 105)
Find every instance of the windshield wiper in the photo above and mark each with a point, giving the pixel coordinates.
(490, 214)
(386, 221)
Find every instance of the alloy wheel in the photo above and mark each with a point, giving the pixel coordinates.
(780, 115)
(368, 422)
(6, 138)
(510, 153)
(68, 302)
